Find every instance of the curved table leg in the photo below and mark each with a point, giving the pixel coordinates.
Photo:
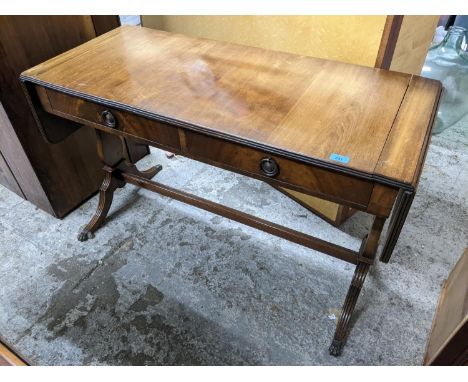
(106, 193)
(112, 181)
(128, 166)
(366, 258)
(146, 174)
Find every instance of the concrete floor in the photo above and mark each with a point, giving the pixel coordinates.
(164, 283)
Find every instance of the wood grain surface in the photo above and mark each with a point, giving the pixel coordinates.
(215, 151)
(404, 153)
(448, 344)
(295, 104)
(8, 357)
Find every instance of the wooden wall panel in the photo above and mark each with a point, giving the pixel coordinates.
(414, 40)
(353, 39)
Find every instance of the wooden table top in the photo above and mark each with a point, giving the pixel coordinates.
(363, 120)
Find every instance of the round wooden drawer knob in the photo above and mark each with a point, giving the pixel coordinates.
(108, 119)
(269, 167)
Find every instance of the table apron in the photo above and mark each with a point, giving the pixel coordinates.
(361, 194)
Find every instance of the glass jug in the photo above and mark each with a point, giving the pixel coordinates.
(448, 63)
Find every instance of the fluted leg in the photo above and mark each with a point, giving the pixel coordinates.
(401, 209)
(366, 258)
(342, 327)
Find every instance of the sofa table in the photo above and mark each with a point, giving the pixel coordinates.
(350, 134)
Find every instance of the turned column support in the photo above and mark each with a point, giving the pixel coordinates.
(115, 163)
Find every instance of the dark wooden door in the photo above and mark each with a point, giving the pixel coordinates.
(56, 178)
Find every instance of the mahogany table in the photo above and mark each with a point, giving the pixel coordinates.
(350, 134)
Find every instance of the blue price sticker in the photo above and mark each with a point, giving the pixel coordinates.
(339, 158)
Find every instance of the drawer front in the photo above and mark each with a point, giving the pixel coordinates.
(96, 115)
(299, 176)
(219, 152)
